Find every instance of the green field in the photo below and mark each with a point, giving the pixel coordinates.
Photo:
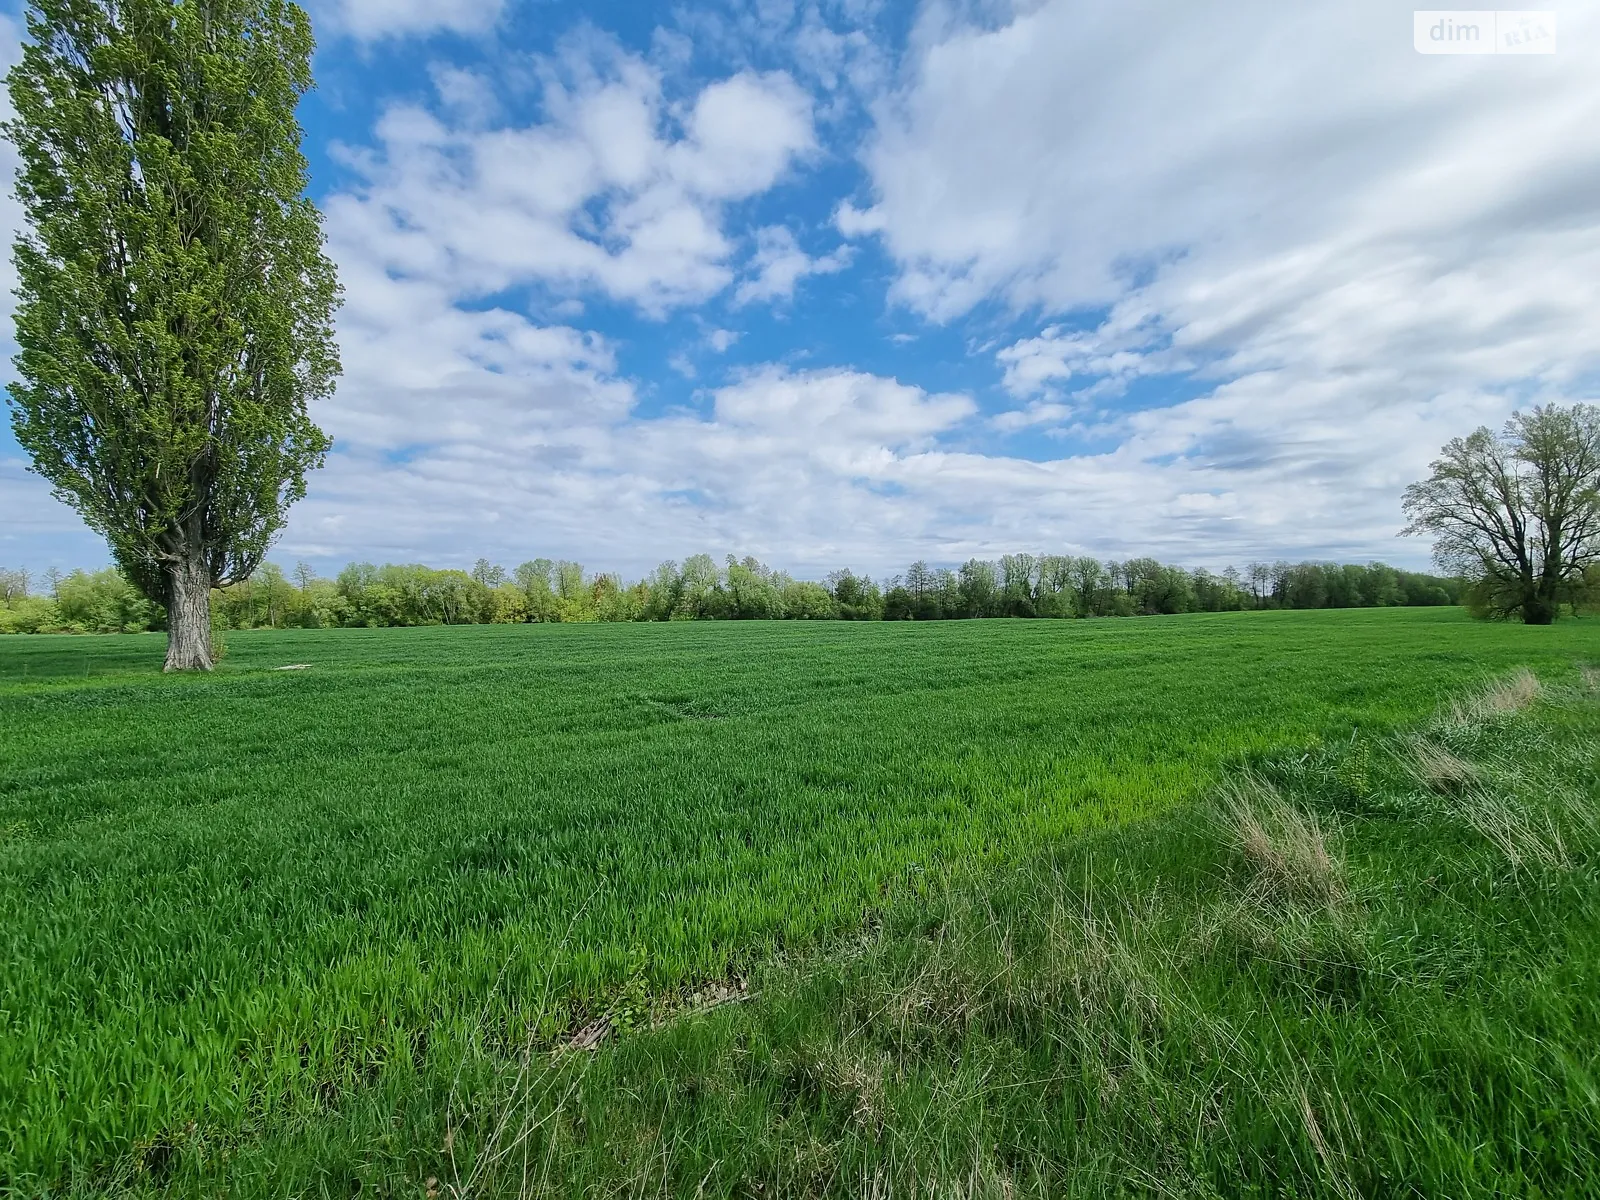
(237, 908)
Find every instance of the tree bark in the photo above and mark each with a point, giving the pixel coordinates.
(1536, 610)
(189, 615)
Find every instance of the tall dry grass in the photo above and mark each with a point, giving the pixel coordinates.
(1286, 849)
(1504, 697)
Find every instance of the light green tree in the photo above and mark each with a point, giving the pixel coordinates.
(175, 305)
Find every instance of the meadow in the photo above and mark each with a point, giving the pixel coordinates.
(290, 918)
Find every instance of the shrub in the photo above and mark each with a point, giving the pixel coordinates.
(31, 614)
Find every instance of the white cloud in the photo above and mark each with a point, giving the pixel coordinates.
(1109, 356)
(1365, 250)
(742, 134)
(466, 95)
(839, 411)
(1039, 412)
(859, 222)
(841, 50)
(1360, 253)
(604, 194)
(454, 427)
(536, 453)
(458, 426)
(541, 454)
(779, 265)
(371, 20)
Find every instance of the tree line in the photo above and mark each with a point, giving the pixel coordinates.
(699, 589)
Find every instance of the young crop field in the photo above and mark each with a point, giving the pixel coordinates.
(236, 910)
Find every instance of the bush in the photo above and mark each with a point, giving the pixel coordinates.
(105, 602)
(808, 602)
(31, 614)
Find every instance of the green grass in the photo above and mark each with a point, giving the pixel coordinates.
(1343, 978)
(262, 917)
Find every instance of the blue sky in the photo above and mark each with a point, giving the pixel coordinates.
(849, 283)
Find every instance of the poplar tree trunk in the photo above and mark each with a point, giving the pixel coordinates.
(189, 615)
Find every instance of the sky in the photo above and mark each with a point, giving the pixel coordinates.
(849, 283)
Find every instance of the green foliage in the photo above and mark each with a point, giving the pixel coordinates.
(365, 596)
(104, 602)
(175, 306)
(31, 614)
(858, 598)
(801, 601)
(83, 602)
(253, 918)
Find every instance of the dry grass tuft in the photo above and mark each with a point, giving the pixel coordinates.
(983, 1179)
(855, 1077)
(1503, 698)
(1591, 679)
(1109, 980)
(1439, 769)
(1522, 838)
(1328, 1138)
(1286, 849)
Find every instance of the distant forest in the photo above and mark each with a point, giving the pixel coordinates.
(1018, 585)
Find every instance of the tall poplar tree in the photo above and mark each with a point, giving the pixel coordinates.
(175, 313)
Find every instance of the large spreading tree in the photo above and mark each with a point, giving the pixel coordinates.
(1517, 512)
(175, 304)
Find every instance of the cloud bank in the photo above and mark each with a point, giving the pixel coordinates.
(1127, 279)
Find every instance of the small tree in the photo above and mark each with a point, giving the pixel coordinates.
(13, 586)
(175, 312)
(486, 573)
(1517, 512)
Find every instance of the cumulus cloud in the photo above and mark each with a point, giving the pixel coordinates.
(455, 427)
(799, 466)
(468, 96)
(605, 194)
(1110, 356)
(1357, 251)
(371, 20)
(841, 48)
(779, 264)
(464, 422)
(1245, 270)
(839, 410)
